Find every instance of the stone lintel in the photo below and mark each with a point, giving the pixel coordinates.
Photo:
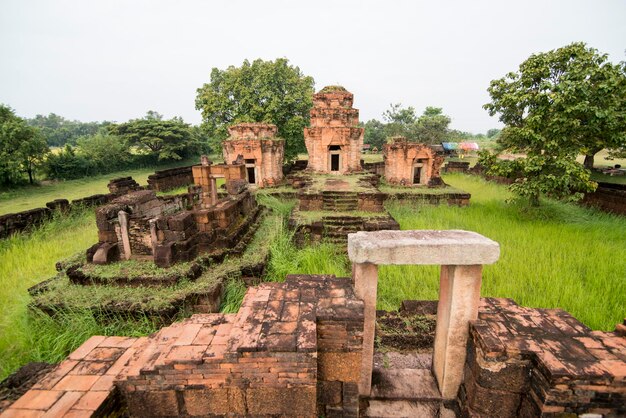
(449, 247)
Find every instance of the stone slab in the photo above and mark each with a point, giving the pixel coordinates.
(449, 247)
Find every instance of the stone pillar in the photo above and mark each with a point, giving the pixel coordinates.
(461, 255)
(123, 220)
(365, 280)
(459, 297)
(213, 191)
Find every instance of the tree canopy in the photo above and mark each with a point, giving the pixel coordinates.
(261, 91)
(22, 148)
(59, 131)
(559, 104)
(165, 139)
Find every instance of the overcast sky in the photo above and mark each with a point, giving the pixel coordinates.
(115, 60)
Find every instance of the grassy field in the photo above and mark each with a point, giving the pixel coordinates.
(31, 197)
(557, 255)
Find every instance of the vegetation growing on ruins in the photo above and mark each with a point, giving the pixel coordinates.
(261, 91)
(560, 104)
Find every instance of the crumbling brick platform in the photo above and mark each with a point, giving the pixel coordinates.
(293, 349)
(527, 362)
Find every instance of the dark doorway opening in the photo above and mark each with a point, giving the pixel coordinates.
(251, 177)
(334, 162)
(417, 171)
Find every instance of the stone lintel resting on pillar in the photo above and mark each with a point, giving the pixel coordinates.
(123, 220)
(461, 255)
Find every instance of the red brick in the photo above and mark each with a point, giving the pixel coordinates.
(57, 374)
(76, 382)
(37, 399)
(119, 342)
(186, 353)
(63, 405)
(22, 413)
(104, 354)
(91, 367)
(188, 335)
(204, 336)
(92, 400)
(86, 347)
(104, 383)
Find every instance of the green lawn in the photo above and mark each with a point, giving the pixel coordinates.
(18, 200)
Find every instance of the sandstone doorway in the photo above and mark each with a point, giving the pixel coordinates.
(334, 157)
(418, 172)
(251, 170)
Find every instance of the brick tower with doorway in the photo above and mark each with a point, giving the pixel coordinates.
(334, 140)
(262, 152)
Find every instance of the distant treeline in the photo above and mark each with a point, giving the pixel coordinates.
(431, 127)
(56, 148)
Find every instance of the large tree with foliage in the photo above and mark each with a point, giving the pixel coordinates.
(261, 91)
(431, 127)
(164, 139)
(560, 104)
(22, 148)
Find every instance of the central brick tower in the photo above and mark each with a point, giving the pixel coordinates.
(334, 141)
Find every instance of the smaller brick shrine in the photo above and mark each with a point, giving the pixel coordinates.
(411, 163)
(334, 140)
(140, 225)
(262, 152)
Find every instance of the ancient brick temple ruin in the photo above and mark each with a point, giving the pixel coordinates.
(262, 152)
(305, 348)
(140, 225)
(333, 140)
(412, 164)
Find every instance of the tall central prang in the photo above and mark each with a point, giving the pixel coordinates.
(334, 140)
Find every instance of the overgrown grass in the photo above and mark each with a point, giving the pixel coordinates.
(27, 259)
(556, 256)
(31, 197)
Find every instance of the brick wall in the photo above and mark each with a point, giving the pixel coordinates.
(526, 362)
(173, 178)
(608, 197)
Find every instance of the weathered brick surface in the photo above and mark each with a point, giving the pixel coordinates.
(173, 178)
(334, 123)
(293, 349)
(400, 157)
(260, 149)
(608, 197)
(537, 362)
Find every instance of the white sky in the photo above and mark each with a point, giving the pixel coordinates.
(114, 60)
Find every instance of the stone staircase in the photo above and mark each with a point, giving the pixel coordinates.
(340, 201)
(337, 228)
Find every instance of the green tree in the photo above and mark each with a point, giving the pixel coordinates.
(558, 105)
(104, 152)
(59, 131)
(22, 147)
(375, 133)
(432, 126)
(261, 91)
(164, 139)
(400, 121)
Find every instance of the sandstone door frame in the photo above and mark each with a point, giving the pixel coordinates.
(332, 152)
(461, 255)
(254, 167)
(419, 166)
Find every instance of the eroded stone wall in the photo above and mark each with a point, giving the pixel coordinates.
(334, 124)
(257, 142)
(401, 156)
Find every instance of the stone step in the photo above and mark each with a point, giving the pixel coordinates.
(401, 409)
(404, 384)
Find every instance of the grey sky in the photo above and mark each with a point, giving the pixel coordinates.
(114, 60)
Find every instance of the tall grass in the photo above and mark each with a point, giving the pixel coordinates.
(26, 260)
